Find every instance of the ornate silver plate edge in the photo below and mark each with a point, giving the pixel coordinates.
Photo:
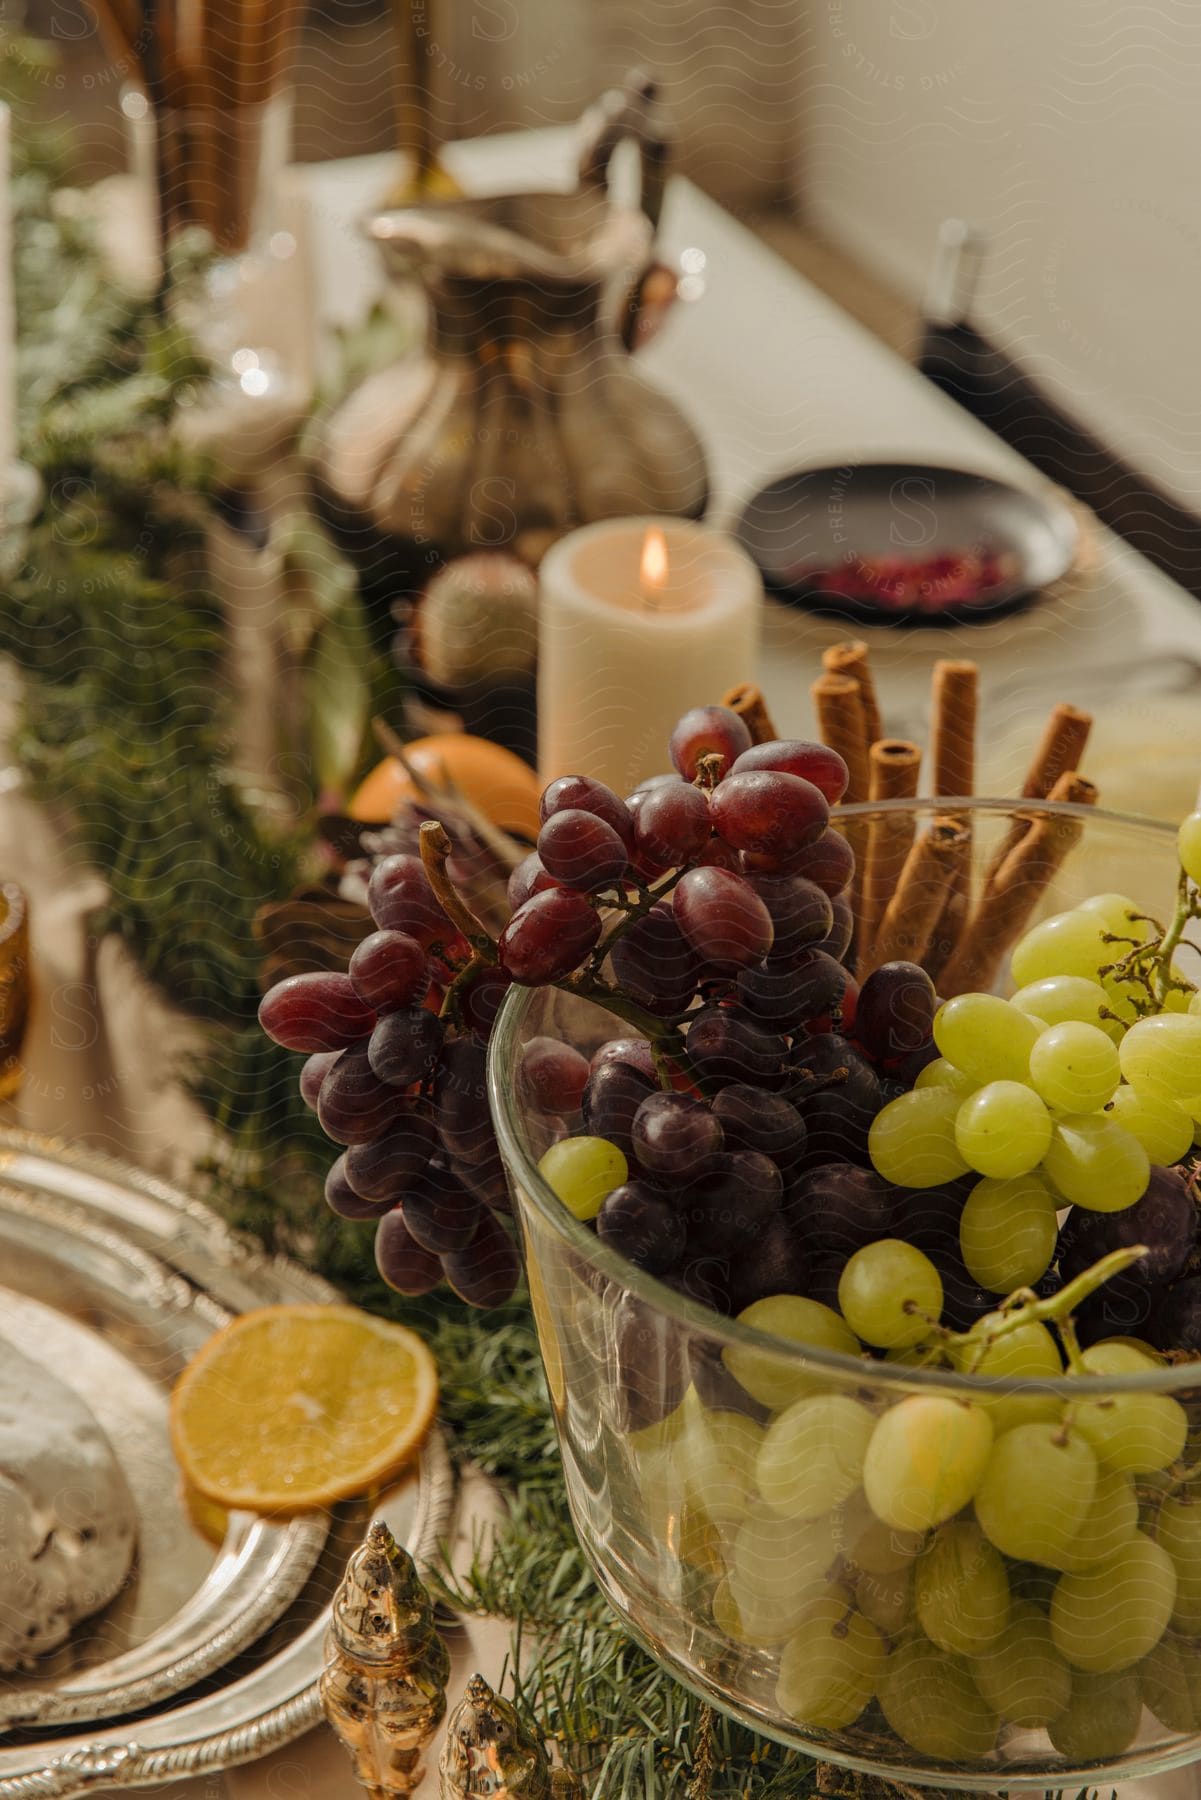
(265, 1710)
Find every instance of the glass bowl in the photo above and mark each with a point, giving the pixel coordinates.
(787, 1609)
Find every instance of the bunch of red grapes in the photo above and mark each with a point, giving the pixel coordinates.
(709, 907)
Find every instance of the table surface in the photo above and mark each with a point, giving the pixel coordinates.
(776, 377)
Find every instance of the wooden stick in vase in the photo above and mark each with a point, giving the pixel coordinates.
(894, 766)
(838, 703)
(912, 915)
(1005, 907)
(953, 710)
(1060, 750)
(747, 701)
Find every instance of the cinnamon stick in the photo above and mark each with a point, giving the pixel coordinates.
(851, 659)
(953, 708)
(747, 701)
(893, 765)
(910, 919)
(1021, 879)
(1060, 749)
(838, 702)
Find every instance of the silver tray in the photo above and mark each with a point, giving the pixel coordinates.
(113, 1279)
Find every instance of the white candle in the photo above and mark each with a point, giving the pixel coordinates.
(8, 325)
(639, 620)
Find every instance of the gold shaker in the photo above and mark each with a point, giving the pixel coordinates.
(490, 1754)
(383, 1687)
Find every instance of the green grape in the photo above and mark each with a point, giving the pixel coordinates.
(1188, 842)
(1134, 1433)
(1021, 1674)
(1095, 1164)
(943, 1074)
(960, 1590)
(1108, 1616)
(1068, 943)
(829, 1670)
(1062, 999)
(811, 1457)
(1169, 1678)
(1163, 1127)
(890, 1294)
(1003, 1129)
(931, 1701)
(925, 1460)
(1075, 1068)
(1118, 914)
(1110, 1522)
(887, 1600)
(1178, 1529)
(1101, 1718)
(1194, 1006)
(767, 1375)
(1163, 1056)
(912, 1139)
(1036, 1491)
(774, 1558)
(761, 1620)
(869, 1545)
(986, 1037)
(583, 1171)
(1025, 1353)
(715, 1455)
(1008, 1231)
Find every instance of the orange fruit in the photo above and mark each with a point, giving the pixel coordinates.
(294, 1407)
(505, 789)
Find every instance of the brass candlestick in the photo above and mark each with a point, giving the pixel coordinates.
(490, 1754)
(384, 1682)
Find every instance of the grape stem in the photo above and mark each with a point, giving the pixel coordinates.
(436, 847)
(1185, 910)
(1024, 1305)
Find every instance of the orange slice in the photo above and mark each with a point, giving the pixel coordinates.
(294, 1407)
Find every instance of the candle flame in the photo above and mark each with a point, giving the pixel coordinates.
(653, 568)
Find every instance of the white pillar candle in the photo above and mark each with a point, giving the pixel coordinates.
(639, 619)
(8, 324)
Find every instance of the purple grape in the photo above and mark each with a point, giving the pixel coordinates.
(313, 1073)
(635, 1051)
(354, 1106)
(1121, 1307)
(387, 1167)
(581, 851)
(1177, 1323)
(548, 937)
(771, 817)
(707, 731)
(840, 1207)
(671, 826)
(802, 915)
(727, 1209)
(581, 793)
(1165, 1220)
(404, 1044)
(400, 1259)
(825, 1273)
(653, 962)
(808, 988)
(651, 1364)
(715, 1385)
(793, 756)
(400, 898)
(460, 1097)
(963, 1299)
(830, 1063)
(830, 863)
(439, 1211)
(641, 1225)
(675, 1136)
(841, 932)
(527, 879)
(723, 919)
(929, 1217)
(480, 998)
(895, 1014)
(838, 1129)
(752, 1119)
(342, 1199)
(486, 1179)
(701, 1278)
(487, 1271)
(315, 1012)
(553, 1075)
(778, 1264)
(389, 969)
(726, 1044)
(613, 1096)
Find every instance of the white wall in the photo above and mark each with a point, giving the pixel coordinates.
(1071, 131)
